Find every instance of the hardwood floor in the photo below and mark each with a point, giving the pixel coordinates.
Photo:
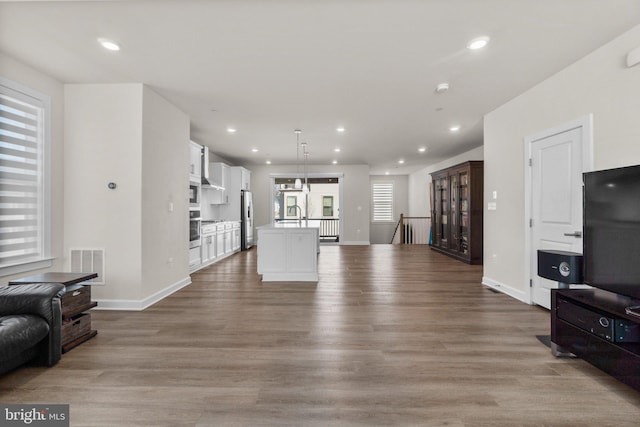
(390, 335)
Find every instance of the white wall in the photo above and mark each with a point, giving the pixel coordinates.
(127, 134)
(29, 77)
(600, 84)
(420, 181)
(356, 197)
(103, 134)
(382, 232)
(165, 156)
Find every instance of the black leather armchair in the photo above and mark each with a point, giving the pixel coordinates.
(30, 325)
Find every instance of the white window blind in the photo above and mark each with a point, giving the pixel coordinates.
(22, 219)
(382, 197)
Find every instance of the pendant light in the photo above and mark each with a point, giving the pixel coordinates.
(305, 154)
(298, 183)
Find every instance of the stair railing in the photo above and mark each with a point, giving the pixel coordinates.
(412, 230)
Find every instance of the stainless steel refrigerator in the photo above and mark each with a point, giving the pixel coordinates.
(246, 216)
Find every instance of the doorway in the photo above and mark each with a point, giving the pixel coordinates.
(555, 160)
(319, 204)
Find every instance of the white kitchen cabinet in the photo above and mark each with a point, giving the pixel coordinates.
(208, 247)
(288, 252)
(236, 237)
(238, 179)
(195, 161)
(228, 238)
(245, 179)
(218, 173)
(220, 239)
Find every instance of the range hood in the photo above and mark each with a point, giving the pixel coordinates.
(205, 166)
(206, 177)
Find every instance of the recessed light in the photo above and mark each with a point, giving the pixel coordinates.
(268, 162)
(478, 43)
(231, 130)
(108, 44)
(255, 150)
(422, 149)
(401, 161)
(337, 149)
(442, 88)
(455, 128)
(340, 129)
(335, 162)
(386, 173)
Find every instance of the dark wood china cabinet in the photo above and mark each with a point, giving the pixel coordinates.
(456, 211)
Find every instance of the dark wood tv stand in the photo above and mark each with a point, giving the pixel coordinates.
(588, 339)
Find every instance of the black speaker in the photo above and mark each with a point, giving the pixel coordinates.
(561, 266)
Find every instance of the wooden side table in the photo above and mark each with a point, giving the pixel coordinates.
(76, 321)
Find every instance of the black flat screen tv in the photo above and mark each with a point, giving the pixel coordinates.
(611, 238)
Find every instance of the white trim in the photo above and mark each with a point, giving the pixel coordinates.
(586, 124)
(289, 277)
(139, 305)
(26, 266)
(507, 290)
(44, 101)
(357, 242)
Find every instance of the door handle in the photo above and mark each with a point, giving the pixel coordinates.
(574, 234)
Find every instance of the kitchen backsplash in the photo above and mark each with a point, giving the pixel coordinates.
(207, 210)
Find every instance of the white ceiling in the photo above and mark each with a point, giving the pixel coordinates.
(268, 67)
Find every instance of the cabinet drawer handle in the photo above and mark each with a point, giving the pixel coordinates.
(76, 293)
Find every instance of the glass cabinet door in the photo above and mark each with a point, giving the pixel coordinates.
(463, 229)
(444, 213)
(440, 212)
(453, 189)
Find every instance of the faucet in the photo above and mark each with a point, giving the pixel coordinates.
(299, 217)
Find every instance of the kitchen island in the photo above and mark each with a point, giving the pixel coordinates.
(288, 251)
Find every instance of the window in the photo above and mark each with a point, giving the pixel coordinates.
(291, 206)
(24, 206)
(327, 205)
(382, 197)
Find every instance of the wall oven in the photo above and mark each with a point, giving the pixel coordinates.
(195, 222)
(194, 195)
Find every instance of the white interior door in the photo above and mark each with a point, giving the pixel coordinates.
(557, 163)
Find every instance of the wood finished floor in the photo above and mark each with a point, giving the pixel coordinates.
(390, 335)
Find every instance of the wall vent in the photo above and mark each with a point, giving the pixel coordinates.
(88, 261)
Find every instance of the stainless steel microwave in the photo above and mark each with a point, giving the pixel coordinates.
(194, 195)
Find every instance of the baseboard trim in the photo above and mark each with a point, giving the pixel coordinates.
(356, 242)
(508, 290)
(139, 305)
